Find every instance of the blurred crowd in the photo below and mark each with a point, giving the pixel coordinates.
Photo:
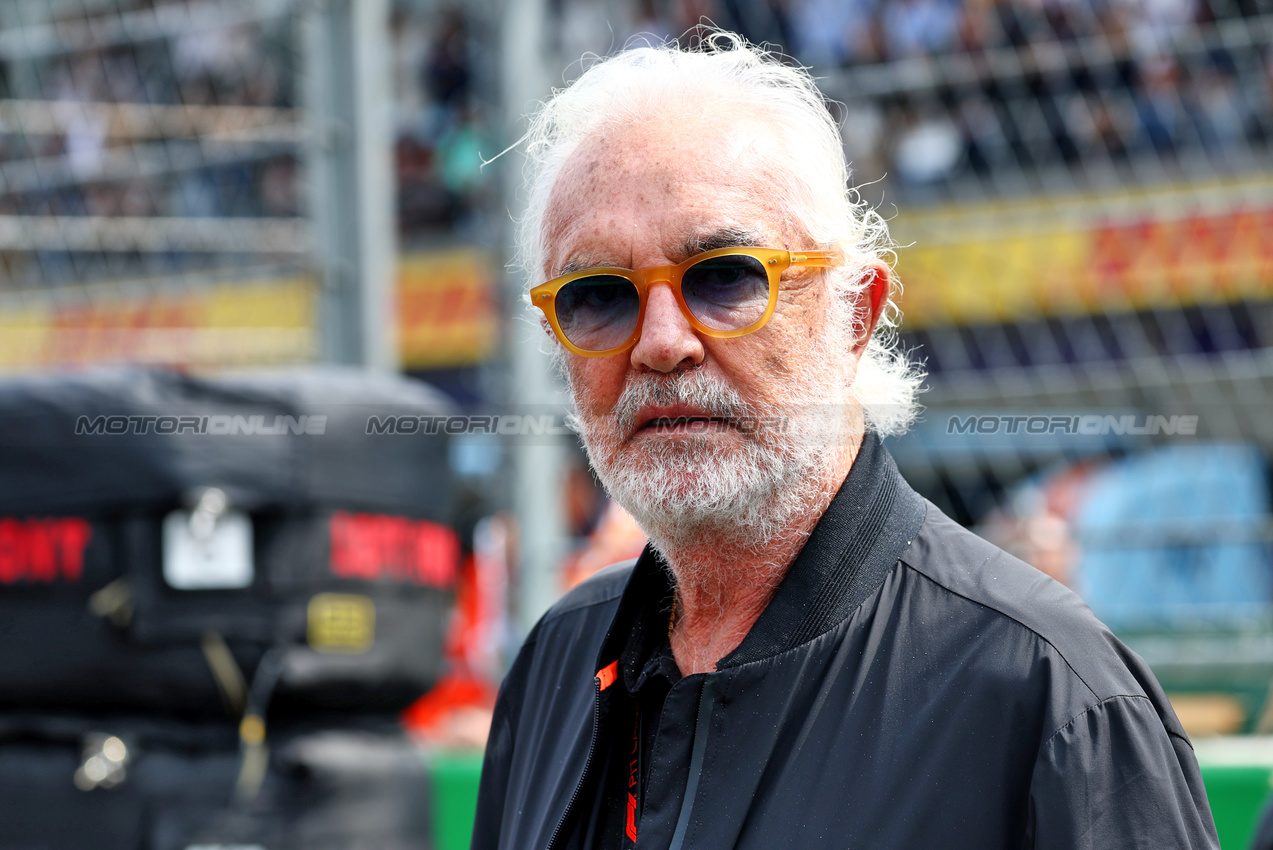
(1002, 95)
(225, 67)
(939, 98)
(443, 98)
(111, 121)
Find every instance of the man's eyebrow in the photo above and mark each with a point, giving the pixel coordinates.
(729, 237)
(571, 267)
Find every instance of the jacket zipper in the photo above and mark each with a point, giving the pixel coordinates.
(702, 724)
(587, 765)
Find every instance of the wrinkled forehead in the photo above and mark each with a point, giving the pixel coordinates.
(667, 175)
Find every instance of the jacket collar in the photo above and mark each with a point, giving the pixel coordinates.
(870, 522)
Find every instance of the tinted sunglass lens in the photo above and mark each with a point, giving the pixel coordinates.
(598, 313)
(727, 293)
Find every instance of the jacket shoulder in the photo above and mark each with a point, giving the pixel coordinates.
(981, 573)
(561, 648)
(602, 587)
(542, 725)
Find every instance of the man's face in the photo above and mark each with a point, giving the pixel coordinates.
(671, 425)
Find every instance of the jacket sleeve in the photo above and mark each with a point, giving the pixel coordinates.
(497, 764)
(1115, 777)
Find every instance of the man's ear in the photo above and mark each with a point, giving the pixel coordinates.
(872, 301)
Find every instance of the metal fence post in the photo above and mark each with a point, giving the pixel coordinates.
(538, 469)
(350, 166)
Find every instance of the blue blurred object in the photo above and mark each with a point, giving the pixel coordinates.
(1175, 537)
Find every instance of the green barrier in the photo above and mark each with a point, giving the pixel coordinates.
(1237, 772)
(1237, 794)
(454, 776)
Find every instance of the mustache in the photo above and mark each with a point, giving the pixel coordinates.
(712, 396)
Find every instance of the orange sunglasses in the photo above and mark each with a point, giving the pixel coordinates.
(723, 293)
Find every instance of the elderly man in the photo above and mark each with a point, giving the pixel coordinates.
(807, 654)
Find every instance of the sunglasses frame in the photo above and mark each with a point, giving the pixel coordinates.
(774, 260)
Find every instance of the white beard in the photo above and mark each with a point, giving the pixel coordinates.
(699, 489)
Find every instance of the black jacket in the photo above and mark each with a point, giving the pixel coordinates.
(909, 686)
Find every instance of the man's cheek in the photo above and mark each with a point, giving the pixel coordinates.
(776, 363)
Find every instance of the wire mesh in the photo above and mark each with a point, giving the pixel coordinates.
(151, 179)
(1081, 191)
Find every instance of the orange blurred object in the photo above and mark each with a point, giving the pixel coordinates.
(617, 537)
(456, 713)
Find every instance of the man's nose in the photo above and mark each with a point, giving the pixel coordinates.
(667, 340)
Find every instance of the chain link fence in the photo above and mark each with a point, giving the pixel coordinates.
(1085, 193)
(1081, 192)
(152, 206)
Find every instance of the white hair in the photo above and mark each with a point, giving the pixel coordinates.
(812, 177)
